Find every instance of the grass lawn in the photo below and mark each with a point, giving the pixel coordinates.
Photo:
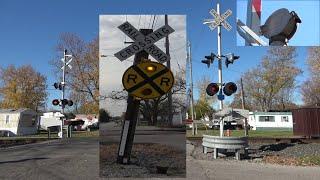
(238, 133)
(44, 135)
(309, 160)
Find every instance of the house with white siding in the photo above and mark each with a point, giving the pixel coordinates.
(270, 120)
(18, 122)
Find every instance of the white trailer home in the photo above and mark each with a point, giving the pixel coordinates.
(18, 122)
(270, 120)
(50, 119)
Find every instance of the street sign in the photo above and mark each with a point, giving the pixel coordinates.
(142, 42)
(218, 19)
(148, 80)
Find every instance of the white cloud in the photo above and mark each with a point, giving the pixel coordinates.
(111, 40)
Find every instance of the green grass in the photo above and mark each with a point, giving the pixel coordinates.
(309, 160)
(239, 133)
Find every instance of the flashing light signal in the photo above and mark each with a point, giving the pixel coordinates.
(212, 89)
(229, 88)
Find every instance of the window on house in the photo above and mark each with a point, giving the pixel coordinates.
(266, 118)
(284, 119)
(7, 119)
(33, 120)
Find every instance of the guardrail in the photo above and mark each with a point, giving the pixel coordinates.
(217, 142)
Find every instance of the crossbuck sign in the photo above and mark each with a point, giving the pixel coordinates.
(213, 23)
(142, 42)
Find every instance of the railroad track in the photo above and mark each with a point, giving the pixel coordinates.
(272, 140)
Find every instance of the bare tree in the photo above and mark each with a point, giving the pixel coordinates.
(311, 87)
(83, 78)
(272, 82)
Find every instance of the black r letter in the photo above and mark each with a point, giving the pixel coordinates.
(132, 77)
(165, 80)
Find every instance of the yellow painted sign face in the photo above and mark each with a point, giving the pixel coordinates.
(147, 80)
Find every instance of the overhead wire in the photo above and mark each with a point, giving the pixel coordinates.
(150, 22)
(139, 21)
(154, 17)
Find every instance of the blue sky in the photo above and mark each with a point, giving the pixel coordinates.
(308, 32)
(29, 31)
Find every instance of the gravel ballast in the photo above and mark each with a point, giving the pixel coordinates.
(276, 153)
(146, 161)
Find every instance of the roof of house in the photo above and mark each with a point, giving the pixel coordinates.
(272, 113)
(12, 111)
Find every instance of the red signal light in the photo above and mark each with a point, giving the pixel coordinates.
(55, 102)
(229, 88)
(212, 89)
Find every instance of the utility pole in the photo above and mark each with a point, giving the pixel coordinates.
(191, 86)
(131, 116)
(246, 133)
(169, 66)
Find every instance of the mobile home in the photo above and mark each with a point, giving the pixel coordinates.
(50, 119)
(270, 120)
(18, 122)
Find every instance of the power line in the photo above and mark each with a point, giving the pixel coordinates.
(145, 20)
(139, 21)
(154, 17)
(155, 24)
(150, 22)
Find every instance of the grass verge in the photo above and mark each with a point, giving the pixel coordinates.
(239, 133)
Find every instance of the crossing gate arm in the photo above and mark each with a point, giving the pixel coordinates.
(246, 33)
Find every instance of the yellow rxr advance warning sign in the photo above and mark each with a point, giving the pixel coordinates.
(147, 80)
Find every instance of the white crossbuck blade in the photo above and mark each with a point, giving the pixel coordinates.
(142, 42)
(213, 23)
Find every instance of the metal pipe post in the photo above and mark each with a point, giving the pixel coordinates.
(220, 70)
(63, 88)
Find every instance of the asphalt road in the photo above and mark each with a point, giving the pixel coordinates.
(66, 159)
(79, 159)
(176, 138)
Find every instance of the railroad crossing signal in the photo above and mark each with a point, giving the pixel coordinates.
(230, 59)
(58, 85)
(218, 19)
(209, 59)
(229, 88)
(62, 102)
(148, 80)
(68, 63)
(212, 89)
(142, 42)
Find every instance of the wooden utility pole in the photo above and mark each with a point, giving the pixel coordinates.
(246, 133)
(131, 116)
(169, 66)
